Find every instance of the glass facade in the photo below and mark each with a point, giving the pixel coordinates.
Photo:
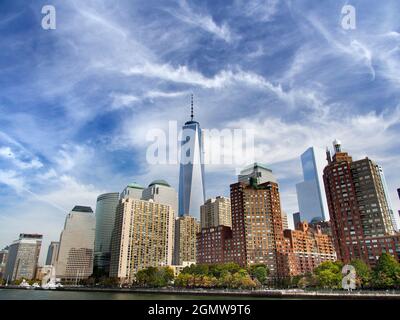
(105, 216)
(191, 172)
(311, 192)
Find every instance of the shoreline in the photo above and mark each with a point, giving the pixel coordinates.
(278, 294)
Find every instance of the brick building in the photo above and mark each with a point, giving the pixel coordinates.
(360, 218)
(308, 248)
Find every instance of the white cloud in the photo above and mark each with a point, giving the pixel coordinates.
(8, 153)
(205, 22)
(262, 10)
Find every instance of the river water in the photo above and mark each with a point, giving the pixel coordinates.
(25, 294)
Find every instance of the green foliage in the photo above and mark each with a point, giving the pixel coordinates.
(363, 273)
(228, 275)
(386, 274)
(329, 275)
(259, 272)
(155, 277)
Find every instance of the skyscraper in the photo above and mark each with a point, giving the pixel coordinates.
(142, 237)
(186, 229)
(52, 253)
(191, 173)
(76, 252)
(106, 206)
(257, 228)
(216, 212)
(311, 192)
(23, 255)
(360, 219)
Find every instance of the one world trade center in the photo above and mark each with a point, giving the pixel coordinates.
(191, 171)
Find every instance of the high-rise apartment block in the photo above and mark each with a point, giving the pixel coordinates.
(76, 251)
(106, 207)
(257, 229)
(52, 253)
(256, 235)
(22, 259)
(143, 236)
(361, 223)
(186, 229)
(213, 245)
(311, 192)
(216, 212)
(308, 247)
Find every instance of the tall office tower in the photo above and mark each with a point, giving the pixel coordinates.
(76, 252)
(216, 212)
(106, 207)
(296, 219)
(360, 218)
(3, 261)
(309, 247)
(23, 255)
(257, 229)
(387, 196)
(143, 237)
(161, 192)
(186, 229)
(52, 253)
(191, 172)
(311, 192)
(258, 172)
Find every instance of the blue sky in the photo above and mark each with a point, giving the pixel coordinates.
(76, 102)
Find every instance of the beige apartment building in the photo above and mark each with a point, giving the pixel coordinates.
(216, 212)
(143, 237)
(186, 229)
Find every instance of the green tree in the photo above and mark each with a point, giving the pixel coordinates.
(363, 273)
(386, 274)
(259, 272)
(329, 275)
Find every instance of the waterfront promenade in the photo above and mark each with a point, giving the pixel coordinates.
(242, 294)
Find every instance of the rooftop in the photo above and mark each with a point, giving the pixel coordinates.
(135, 185)
(82, 209)
(159, 182)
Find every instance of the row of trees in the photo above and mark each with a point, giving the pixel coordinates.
(328, 275)
(229, 275)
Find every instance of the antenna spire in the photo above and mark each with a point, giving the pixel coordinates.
(191, 107)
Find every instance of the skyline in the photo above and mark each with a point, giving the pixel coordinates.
(73, 126)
